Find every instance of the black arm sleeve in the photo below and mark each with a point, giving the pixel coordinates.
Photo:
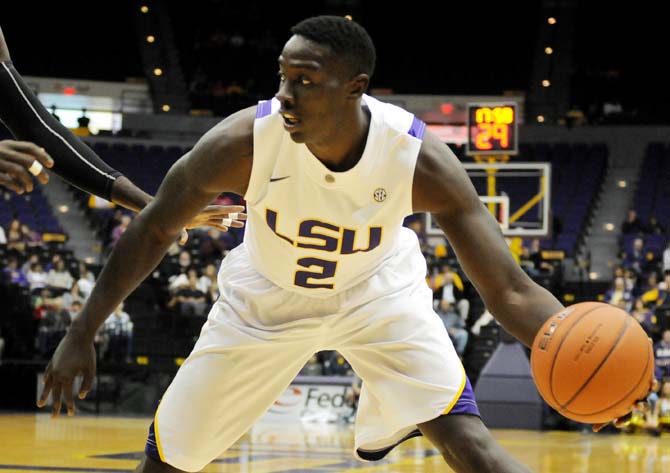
(28, 120)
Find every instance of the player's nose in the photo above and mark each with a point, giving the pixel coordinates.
(284, 95)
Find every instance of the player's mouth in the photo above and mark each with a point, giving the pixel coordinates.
(291, 122)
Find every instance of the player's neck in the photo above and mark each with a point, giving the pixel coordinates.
(344, 148)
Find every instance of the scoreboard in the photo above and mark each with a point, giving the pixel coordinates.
(492, 129)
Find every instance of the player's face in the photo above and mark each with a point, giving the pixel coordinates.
(313, 90)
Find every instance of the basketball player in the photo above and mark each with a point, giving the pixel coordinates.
(328, 174)
(20, 161)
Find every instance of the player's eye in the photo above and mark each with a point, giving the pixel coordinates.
(305, 81)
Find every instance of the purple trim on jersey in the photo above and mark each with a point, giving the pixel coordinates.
(264, 108)
(466, 404)
(151, 449)
(418, 128)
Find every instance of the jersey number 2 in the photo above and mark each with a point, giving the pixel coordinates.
(302, 278)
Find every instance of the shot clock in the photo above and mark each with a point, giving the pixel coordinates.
(492, 129)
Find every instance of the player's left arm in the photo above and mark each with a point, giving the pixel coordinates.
(441, 186)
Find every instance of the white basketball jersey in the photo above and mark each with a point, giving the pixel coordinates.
(319, 232)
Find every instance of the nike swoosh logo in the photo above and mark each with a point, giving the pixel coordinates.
(275, 179)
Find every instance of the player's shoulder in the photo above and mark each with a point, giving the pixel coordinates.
(396, 118)
(234, 132)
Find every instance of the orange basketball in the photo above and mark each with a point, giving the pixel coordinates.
(591, 362)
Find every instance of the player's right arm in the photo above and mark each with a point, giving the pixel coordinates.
(219, 162)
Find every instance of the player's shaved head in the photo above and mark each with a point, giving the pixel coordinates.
(345, 38)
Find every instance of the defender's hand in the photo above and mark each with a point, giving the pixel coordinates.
(75, 355)
(19, 162)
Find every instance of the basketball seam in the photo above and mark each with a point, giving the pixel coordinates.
(602, 362)
(553, 361)
(625, 396)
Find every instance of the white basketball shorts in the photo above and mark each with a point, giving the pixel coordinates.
(258, 336)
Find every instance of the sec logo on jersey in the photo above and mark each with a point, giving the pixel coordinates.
(380, 194)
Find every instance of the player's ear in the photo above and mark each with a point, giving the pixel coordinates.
(358, 85)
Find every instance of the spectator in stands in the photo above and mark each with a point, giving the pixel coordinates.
(120, 229)
(618, 295)
(59, 277)
(644, 316)
(55, 258)
(632, 223)
(629, 279)
(215, 244)
(72, 296)
(52, 326)
(417, 224)
(37, 277)
(207, 283)
(3, 236)
(455, 325)
(82, 124)
(451, 289)
(113, 222)
(13, 274)
(636, 258)
(86, 280)
(15, 237)
(74, 309)
(654, 227)
(28, 263)
(664, 292)
(662, 355)
(53, 113)
(117, 334)
(179, 272)
(649, 288)
(188, 298)
(486, 318)
(666, 259)
(31, 237)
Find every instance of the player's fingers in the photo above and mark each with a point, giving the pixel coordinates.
(598, 427)
(56, 398)
(183, 238)
(69, 398)
(37, 152)
(217, 225)
(48, 382)
(18, 172)
(86, 384)
(7, 181)
(222, 210)
(218, 221)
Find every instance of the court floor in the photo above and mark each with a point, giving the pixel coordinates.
(36, 443)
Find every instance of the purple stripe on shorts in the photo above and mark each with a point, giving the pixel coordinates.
(264, 108)
(417, 129)
(150, 448)
(466, 404)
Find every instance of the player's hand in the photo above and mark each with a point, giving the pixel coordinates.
(16, 159)
(641, 405)
(221, 217)
(74, 356)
